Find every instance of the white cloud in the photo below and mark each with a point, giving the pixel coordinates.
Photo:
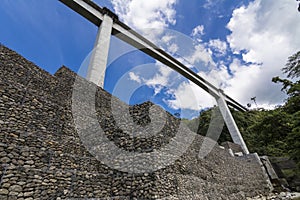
(217, 76)
(173, 48)
(218, 45)
(265, 28)
(160, 78)
(268, 31)
(187, 94)
(190, 96)
(167, 38)
(198, 30)
(134, 77)
(201, 54)
(142, 15)
(212, 3)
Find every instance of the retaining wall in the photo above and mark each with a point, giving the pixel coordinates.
(43, 157)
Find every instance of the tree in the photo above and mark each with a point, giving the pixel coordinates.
(292, 105)
(292, 68)
(292, 89)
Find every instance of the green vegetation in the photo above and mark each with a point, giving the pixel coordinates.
(267, 132)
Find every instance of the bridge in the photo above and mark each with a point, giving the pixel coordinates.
(109, 24)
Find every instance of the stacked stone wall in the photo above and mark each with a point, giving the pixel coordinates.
(43, 157)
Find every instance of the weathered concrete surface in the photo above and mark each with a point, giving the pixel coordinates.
(42, 156)
(98, 61)
(230, 123)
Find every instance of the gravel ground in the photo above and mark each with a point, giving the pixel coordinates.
(280, 196)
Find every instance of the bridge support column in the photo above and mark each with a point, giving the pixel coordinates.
(98, 60)
(230, 123)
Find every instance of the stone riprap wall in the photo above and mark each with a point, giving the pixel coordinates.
(43, 157)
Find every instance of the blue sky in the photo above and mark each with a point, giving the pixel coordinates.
(237, 45)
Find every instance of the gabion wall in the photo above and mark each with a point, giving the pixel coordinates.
(43, 157)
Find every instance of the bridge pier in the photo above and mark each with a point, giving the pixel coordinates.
(98, 60)
(230, 123)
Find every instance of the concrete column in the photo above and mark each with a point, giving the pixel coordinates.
(98, 60)
(230, 123)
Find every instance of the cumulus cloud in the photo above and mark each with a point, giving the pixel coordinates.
(265, 33)
(264, 29)
(217, 76)
(134, 77)
(190, 96)
(142, 15)
(187, 95)
(219, 46)
(167, 38)
(201, 54)
(173, 48)
(198, 30)
(160, 78)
